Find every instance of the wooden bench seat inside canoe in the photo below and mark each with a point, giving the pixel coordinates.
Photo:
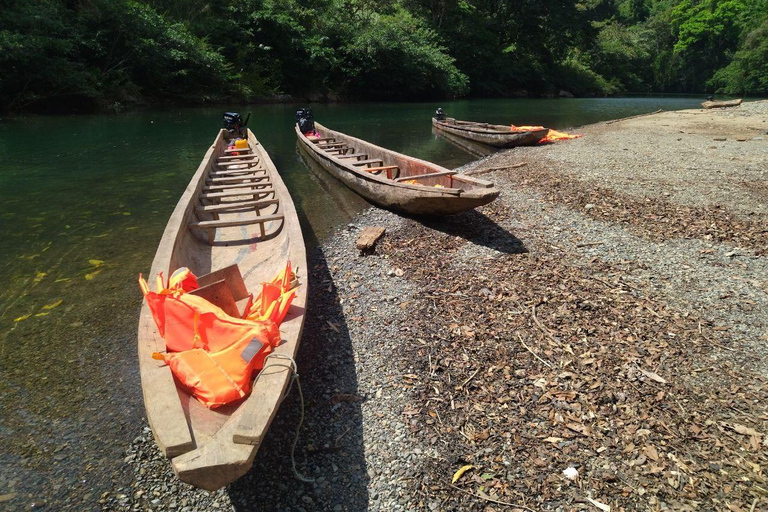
(369, 161)
(260, 191)
(235, 205)
(232, 186)
(237, 158)
(353, 155)
(391, 170)
(210, 226)
(237, 179)
(428, 175)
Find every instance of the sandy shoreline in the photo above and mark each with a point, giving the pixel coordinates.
(607, 313)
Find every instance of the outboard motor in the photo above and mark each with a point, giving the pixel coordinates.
(305, 120)
(234, 124)
(439, 114)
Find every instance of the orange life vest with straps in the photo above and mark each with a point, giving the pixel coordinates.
(211, 353)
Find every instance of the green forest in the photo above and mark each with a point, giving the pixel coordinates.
(113, 55)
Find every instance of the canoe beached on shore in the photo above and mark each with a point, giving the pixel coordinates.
(393, 180)
(496, 135)
(721, 104)
(234, 225)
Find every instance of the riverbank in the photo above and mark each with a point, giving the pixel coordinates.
(607, 313)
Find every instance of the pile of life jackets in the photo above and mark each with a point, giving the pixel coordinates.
(212, 354)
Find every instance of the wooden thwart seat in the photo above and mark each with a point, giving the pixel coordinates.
(232, 186)
(324, 139)
(236, 150)
(210, 226)
(430, 175)
(234, 193)
(353, 155)
(369, 161)
(388, 168)
(236, 179)
(235, 172)
(237, 205)
(236, 158)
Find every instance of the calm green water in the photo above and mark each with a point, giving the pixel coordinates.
(83, 203)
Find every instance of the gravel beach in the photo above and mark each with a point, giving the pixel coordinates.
(595, 337)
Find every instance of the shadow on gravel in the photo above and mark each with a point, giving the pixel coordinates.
(477, 228)
(330, 447)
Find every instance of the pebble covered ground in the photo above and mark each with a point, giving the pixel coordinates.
(585, 341)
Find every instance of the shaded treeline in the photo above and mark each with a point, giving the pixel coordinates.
(115, 53)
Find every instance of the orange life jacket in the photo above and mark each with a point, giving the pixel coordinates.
(211, 353)
(220, 377)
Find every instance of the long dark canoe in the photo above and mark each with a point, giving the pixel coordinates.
(496, 135)
(721, 104)
(235, 211)
(393, 180)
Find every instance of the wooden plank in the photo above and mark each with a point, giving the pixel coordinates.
(356, 155)
(232, 276)
(237, 158)
(235, 150)
(235, 172)
(223, 207)
(259, 412)
(219, 294)
(231, 186)
(247, 193)
(236, 179)
(369, 161)
(423, 176)
(317, 141)
(368, 238)
(226, 223)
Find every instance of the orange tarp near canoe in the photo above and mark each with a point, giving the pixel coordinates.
(211, 353)
(552, 135)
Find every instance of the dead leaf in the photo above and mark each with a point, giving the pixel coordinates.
(601, 506)
(653, 376)
(651, 453)
(333, 326)
(460, 472)
(53, 304)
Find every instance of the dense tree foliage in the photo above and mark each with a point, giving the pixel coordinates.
(113, 53)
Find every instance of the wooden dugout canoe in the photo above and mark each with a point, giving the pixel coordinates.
(721, 104)
(496, 135)
(236, 210)
(475, 149)
(393, 180)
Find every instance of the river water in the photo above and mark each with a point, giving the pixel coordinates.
(83, 203)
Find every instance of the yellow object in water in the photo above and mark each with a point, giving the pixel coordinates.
(241, 144)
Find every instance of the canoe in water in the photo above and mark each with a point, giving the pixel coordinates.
(496, 135)
(393, 180)
(721, 104)
(236, 211)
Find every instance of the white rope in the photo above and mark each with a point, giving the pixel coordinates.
(295, 377)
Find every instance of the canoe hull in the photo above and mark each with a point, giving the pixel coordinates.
(721, 104)
(411, 199)
(201, 442)
(497, 136)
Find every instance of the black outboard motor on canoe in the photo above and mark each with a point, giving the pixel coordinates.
(305, 120)
(439, 114)
(234, 124)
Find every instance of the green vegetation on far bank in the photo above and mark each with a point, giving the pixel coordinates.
(111, 54)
